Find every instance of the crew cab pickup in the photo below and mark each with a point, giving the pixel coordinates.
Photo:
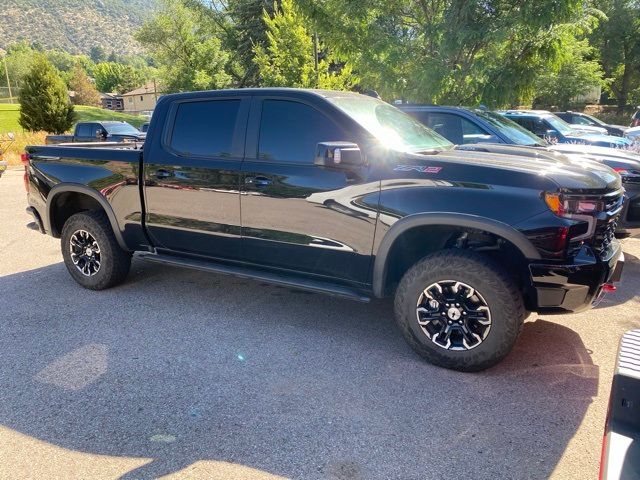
(104, 131)
(343, 194)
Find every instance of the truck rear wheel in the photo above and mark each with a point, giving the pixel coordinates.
(91, 252)
(458, 309)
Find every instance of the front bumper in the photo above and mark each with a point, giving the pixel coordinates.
(576, 286)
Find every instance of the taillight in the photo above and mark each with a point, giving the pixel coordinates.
(24, 158)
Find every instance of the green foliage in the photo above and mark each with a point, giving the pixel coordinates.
(116, 77)
(240, 24)
(575, 73)
(618, 41)
(97, 53)
(85, 90)
(44, 101)
(288, 60)
(186, 45)
(447, 51)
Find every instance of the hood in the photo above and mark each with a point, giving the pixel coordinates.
(589, 129)
(568, 173)
(613, 157)
(598, 139)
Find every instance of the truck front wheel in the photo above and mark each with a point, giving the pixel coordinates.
(91, 252)
(458, 309)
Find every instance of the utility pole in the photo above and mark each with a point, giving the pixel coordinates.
(6, 72)
(315, 57)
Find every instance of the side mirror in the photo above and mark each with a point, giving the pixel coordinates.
(101, 134)
(338, 155)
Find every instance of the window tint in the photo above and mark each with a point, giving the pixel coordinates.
(94, 129)
(290, 132)
(205, 128)
(84, 130)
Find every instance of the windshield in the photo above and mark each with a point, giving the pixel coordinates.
(560, 125)
(510, 129)
(594, 120)
(394, 129)
(121, 129)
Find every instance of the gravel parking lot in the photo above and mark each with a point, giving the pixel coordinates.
(184, 374)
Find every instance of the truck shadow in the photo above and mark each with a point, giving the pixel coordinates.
(184, 367)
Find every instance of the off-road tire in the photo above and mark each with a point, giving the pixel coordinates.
(496, 285)
(114, 261)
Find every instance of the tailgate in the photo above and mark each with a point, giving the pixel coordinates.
(621, 446)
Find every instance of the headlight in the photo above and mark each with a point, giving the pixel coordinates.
(567, 206)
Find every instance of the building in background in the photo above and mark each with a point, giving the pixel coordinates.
(142, 99)
(112, 101)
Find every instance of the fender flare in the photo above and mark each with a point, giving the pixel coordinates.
(83, 189)
(380, 266)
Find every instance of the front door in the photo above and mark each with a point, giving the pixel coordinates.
(192, 178)
(295, 214)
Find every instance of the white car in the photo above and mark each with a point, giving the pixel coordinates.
(633, 134)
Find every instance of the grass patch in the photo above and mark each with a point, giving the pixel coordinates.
(9, 115)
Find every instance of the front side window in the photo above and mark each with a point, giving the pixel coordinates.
(290, 132)
(205, 128)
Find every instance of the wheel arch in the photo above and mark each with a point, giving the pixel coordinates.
(444, 219)
(93, 199)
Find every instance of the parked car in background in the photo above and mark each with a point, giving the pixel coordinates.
(482, 130)
(343, 194)
(99, 131)
(633, 134)
(548, 126)
(621, 442)
(635, 118)
(582, 119)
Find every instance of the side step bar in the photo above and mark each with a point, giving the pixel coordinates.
(259, 275)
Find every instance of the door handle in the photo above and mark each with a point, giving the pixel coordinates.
(162, 173)
(258, 181)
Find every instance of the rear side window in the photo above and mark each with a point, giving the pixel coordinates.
(205, 129)
(290, 132)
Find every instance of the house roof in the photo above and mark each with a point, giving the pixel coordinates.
(149, 87)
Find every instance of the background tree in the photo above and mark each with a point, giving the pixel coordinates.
(447, 51)
(186, 46)
(44, 100)
(618, 41)
(288, 60)
(97, 54)
(116, 77)
(85, 91)
(241, 24)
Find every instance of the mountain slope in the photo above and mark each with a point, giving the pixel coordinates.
(75, 25)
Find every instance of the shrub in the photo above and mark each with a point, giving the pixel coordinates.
(44, 100)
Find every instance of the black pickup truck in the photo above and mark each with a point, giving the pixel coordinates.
(343, 194)
(99, 131)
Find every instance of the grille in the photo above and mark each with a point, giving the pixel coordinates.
(606, 228)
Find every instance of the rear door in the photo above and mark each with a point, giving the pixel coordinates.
(297, 215)
(192, 177)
